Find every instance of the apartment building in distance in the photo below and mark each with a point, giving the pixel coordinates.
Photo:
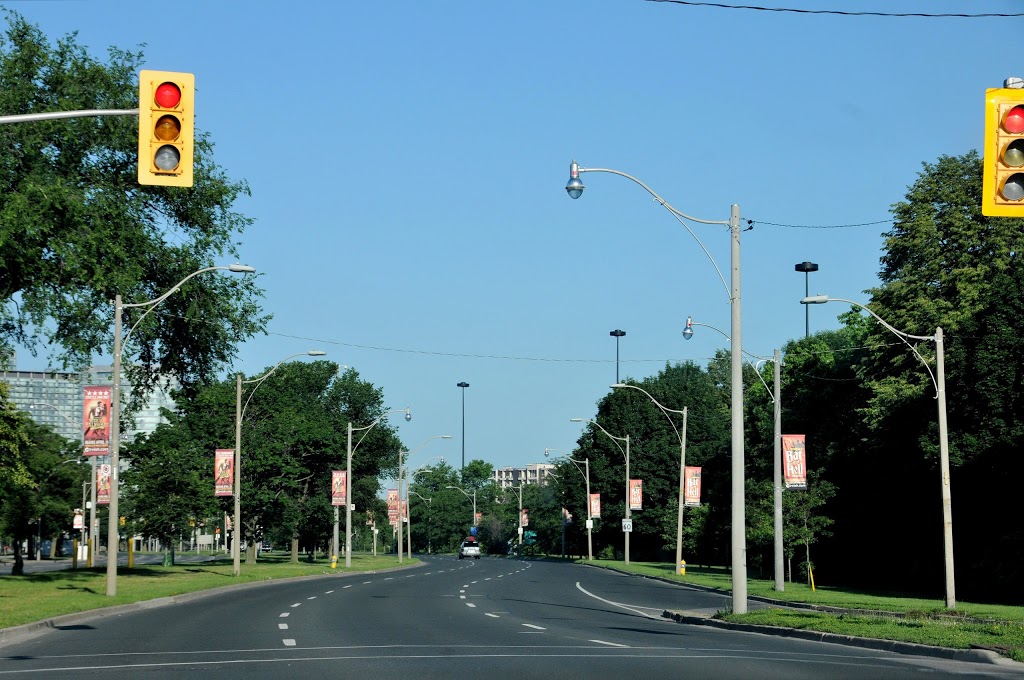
(534, 473)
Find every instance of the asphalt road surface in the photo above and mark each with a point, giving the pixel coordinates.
(487, 618)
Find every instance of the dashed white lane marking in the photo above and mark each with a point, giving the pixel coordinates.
(470, 604)
(285, 615)
(488, 578)
(348, 586)
(311, 598)
(390, 578)
(365, 582)
(472, 581)
(610, 644)
(283, 626)
(530, 625)
(288, 642)
(296, 605)
(467, 585)
(493, 616)
(328, 592)
(462, 597)
(500, 575)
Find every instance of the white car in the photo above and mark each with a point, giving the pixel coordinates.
(469, 549)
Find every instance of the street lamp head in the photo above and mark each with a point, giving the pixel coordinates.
(408, 415)
(616, 333)
(241, 268)
(688, 331)
(619, 385)
(575, 186)
(462, 384)
(445, 436)
(806, 267)
(575, 420)
(815, 300)
(316, 353)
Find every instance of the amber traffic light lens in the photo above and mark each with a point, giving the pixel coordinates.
(167, 128)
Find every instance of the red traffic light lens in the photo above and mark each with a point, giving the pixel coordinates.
(1013, 122)
(167, 95)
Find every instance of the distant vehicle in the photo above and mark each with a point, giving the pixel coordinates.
(470, 548)
(265, 547)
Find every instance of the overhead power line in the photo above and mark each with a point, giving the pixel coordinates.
(793, 10)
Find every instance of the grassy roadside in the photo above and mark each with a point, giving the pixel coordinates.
(35, 597)
(925, 621)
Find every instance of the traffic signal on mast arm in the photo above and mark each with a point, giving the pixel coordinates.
(166, 132)
(1003, 180)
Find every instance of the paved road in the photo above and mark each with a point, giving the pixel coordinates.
(449, 618)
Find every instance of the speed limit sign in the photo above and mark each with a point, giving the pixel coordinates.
(627, 525)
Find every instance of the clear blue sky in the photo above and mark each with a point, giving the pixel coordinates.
(408, 162)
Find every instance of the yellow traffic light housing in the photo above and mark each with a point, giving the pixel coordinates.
(166, 128)
(1003, 179)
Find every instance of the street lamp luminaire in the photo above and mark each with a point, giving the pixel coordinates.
(348, 478)
(236, 544)
(585, 471)
(408, 502)
(625, 454)
(681, 435)
(401, 516)
(807, 268)
(939, 381)
(428, 518)
(113, 537)
(738, 523)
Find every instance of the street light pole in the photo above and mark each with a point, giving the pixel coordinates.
(939, 381)
(807, 268)
(625, 454)
(617, 334)
(681, 435)
(590, 517)
(463, 385)
(738, 528)
(113, 530)
(348, 479)
(236, 543)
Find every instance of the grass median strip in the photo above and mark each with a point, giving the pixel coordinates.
(44, 595)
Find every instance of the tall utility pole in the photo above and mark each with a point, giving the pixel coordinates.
(463, 385)
(617, 334)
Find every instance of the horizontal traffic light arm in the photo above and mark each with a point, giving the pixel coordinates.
(88, 113)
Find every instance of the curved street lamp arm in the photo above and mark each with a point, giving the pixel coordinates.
(610, 436)
(459, 489)
(689, 331)
(152, 304)
(257, 381)
(369, 427)
(679, 216)
(419, 496)
(815, 299)
(664, 409)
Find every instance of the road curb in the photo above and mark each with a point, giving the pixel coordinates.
(25, 631)
(966, 655)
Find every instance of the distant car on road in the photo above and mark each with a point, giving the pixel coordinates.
(470, 548)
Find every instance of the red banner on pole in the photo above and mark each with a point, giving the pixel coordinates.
(595, 505)
(96, 404)
(636, 494)
(524, 518)
(691, 493)
(479, 516)
(103, 484)
(393, 507)
(794, 459)
(224, 472)
(339, 487)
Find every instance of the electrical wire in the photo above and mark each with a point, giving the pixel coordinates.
(836, 12)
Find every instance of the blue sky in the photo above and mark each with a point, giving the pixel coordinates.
(408, 161)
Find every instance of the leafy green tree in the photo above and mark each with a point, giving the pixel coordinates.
(803, 522)
(77, 228)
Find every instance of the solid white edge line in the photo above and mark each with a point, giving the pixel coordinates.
(616, 604)
(610, 644)
(530, 625)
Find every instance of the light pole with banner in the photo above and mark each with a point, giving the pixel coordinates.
(585, 471)
(627, 523)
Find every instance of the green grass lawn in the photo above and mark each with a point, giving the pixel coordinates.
(926, 621)
(35, 597)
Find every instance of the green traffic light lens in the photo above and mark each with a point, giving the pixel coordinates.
(167, 157)
(1013, 188)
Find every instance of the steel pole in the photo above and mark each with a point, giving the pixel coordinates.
(115, 441)
(682, 493)
(236, 529)
(739, 539)
(590, 518)
(628, 514)
(94, 529)
(947, 503)
(401, 518)
(777, 475)
(348, 501)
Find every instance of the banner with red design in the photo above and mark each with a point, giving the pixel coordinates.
(96, 404)
(636, 494)
(223, 472)
(524, 518)
(691, 493)
(595, 505)
(103, 484)
(794, 461)
(338, 487)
